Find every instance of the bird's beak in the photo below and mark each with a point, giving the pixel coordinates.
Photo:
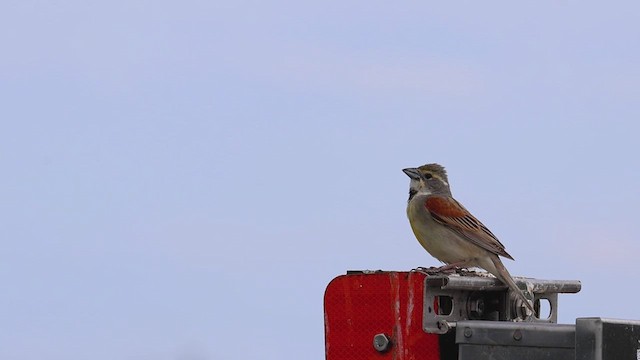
(412, 173)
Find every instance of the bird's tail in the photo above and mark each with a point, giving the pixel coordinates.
(503, 275)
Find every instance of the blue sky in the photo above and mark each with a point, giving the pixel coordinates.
(182, 180)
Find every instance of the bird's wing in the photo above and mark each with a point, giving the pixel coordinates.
(450, 213)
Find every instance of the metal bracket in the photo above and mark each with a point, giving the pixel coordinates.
(476, 296)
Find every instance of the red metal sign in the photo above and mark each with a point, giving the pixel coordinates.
(357, 307)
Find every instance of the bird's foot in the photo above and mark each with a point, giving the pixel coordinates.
(426, 271)
(432, 270)
(466, 272)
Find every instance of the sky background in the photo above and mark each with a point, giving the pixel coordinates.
(181, 180)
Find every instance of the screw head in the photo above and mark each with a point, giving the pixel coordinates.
(517, 335)
(381, 342)
(468, 332)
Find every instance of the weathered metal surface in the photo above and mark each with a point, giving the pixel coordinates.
(607, 339)
(425, 316)
(476, 296)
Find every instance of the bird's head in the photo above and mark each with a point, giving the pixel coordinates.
(428, 179)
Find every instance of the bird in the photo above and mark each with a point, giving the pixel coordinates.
(449, 232)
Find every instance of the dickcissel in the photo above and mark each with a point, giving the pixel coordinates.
(449, 232)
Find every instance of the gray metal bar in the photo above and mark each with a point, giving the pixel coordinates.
(515, 333)
(485, 340)
(482, 282)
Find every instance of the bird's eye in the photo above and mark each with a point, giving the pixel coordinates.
(428, 176)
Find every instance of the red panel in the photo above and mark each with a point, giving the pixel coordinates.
(359, 306)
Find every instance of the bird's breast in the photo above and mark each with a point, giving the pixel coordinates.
(441, 242)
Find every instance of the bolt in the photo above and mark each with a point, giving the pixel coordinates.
(381, 342)
(517, 335)
(443, 326)
(468, 332)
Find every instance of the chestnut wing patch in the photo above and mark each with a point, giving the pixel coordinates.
(453, 215)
